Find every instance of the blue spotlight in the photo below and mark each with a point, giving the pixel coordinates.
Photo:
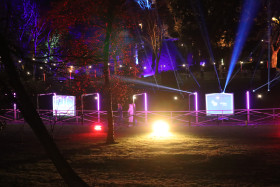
(249, 10)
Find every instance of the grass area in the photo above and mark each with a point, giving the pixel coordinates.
(190, 156)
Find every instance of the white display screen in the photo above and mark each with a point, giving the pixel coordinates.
(219, 103)
(64, 105)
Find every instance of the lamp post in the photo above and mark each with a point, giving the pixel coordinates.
(248, 105)
(195, 104)
(145, 104)
(70, 73)
(97, 105)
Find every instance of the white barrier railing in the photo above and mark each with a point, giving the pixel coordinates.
(240, 116)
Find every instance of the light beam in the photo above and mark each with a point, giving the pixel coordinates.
(248, 13)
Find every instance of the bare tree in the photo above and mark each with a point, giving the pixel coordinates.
(33, 119)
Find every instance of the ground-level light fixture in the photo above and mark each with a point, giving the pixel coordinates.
(97, 127)
(160, 128)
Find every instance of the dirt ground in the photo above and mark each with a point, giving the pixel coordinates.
(190, 156)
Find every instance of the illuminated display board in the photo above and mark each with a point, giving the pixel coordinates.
(219, 103)
(64, 105)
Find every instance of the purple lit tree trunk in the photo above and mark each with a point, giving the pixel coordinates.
(33, 119)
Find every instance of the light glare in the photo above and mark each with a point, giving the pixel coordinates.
(98, 128)
(160, 128)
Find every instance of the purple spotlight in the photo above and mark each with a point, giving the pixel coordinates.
(248, 100)
(196, 101)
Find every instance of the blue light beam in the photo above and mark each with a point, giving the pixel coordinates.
(204, 33)
(249, 10)
(276, 77)
(144, 4)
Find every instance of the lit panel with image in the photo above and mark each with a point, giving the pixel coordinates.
(64, 105)
(219, 103)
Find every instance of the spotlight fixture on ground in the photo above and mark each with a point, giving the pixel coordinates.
(160, 128)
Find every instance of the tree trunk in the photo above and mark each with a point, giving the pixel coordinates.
(153, 62)
(107, 86)
(33, 119)
(157, 60)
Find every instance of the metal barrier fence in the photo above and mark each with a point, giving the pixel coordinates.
(240, 117)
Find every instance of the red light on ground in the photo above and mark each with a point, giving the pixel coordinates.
(98, 128)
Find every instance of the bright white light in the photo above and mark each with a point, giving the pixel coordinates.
(96, 98)
(90, 67)
(184, 65)
(259, 96)
(175, 98)
(120, 66)
(33, 58)
(261, 62)
(41, 67)
(19, 61)
(161, 128)
(145, 67)
(98, 128)
(28, 73)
